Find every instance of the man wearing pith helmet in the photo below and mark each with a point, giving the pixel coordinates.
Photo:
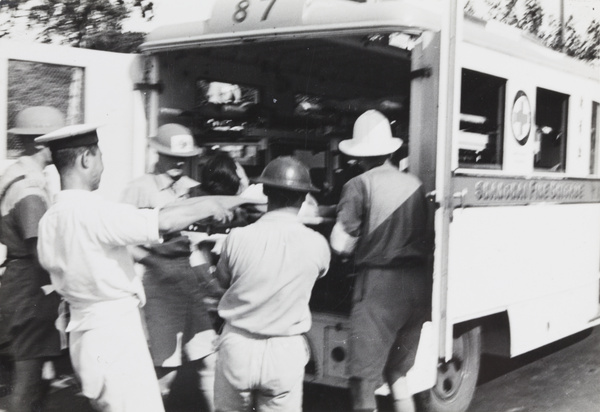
(382, 224)
(27, 314)
(268, 269)
(178, 322)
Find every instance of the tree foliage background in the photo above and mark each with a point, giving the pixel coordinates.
(529, 15)
(92, 24)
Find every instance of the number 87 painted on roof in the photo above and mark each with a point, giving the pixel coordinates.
(237, 15)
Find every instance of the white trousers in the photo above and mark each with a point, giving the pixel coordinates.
(115, 368)
(267, 373)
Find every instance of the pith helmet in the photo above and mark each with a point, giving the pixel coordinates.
(372, 136)
(287, 173)
(173, 139)
(38, 120)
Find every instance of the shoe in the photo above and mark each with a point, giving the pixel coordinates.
(62, 382)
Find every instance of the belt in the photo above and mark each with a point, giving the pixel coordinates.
(230, 328)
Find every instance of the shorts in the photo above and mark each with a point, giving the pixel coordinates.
(177, 320)
(27, 315)
(35, 339)
(389, 309)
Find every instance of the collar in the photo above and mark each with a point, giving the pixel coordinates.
(281, 215)
(164, 181)
(69, 194)
(31, 164)
(385, 165)
(388, 165)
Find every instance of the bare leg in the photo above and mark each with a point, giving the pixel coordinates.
(403, 401)
(165, 376)
(205, 368)
(362, 392)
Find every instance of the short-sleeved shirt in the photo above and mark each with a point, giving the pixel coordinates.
(270, 268)
(27, 314)
(157, 190)
(24, 200)
(82, 243)
(385, 209)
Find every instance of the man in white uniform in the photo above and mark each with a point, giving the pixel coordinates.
(82, 243)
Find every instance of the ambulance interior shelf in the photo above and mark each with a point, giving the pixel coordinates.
(473, 141)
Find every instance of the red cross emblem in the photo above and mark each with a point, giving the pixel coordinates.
(521, 118)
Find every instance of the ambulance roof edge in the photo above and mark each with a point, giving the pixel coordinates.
(305, 17)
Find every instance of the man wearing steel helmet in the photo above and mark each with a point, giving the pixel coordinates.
(382, 222)
(177, 319)
(268, 269)
(27, 312)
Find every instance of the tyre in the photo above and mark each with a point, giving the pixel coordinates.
(457, 378)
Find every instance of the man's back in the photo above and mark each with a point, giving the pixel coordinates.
(270, 267)
(82, 243)
(386, 209)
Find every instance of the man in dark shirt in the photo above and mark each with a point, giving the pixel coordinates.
(382, 221)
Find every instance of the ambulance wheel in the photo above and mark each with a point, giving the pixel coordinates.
(457, 378)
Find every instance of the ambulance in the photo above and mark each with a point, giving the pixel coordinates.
(503, 132)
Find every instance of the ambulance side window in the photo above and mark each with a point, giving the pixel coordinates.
(481, 126)
(550, 149)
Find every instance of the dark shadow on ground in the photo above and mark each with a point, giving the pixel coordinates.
(493, 367)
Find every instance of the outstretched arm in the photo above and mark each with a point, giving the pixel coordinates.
(179, 215)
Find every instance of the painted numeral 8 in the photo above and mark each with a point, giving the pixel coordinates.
(241, 12)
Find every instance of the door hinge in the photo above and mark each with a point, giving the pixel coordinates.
(422, 72)
(149, 86)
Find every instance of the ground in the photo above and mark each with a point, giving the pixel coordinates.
(562, 377)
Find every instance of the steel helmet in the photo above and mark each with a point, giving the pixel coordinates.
(173, 139)
(287, 173)
(38, 120)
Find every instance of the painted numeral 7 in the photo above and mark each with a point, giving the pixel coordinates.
(268, 9)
